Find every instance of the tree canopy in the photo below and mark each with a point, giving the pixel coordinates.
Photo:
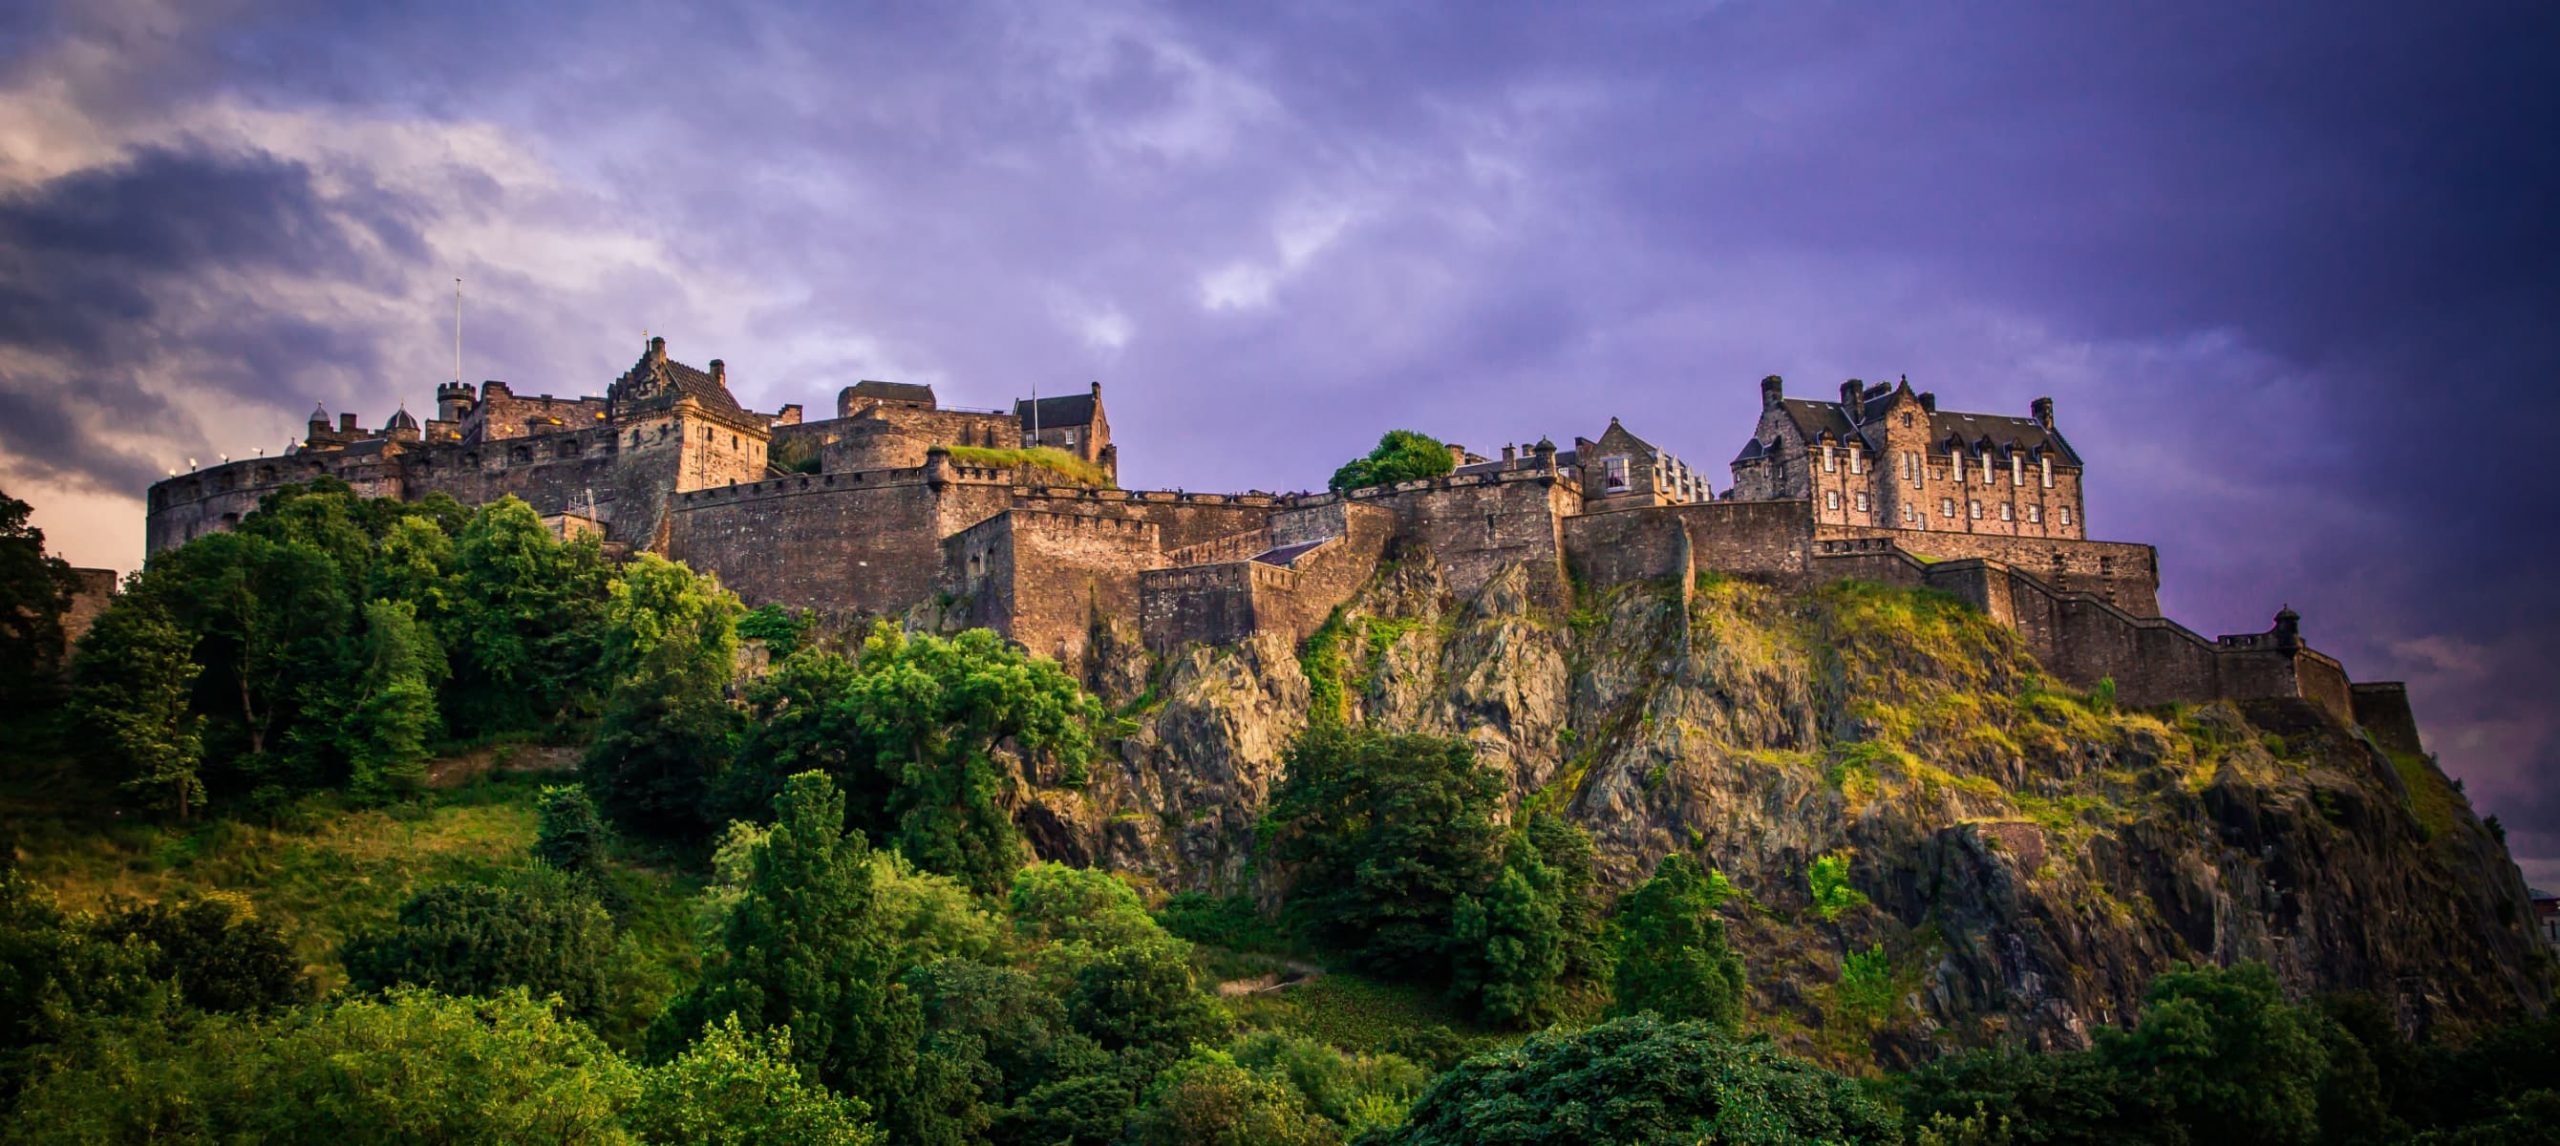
(1401, 455)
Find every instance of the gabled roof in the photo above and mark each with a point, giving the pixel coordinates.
(657, 380)
(1067, 410)
(1814, 418)
(894, 392)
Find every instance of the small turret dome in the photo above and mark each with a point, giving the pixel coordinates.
(401, 419)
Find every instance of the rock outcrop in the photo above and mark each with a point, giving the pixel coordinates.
(2028, 856)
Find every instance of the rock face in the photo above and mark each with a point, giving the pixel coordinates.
(2021, 858)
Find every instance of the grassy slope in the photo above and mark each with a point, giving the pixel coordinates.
(323, 871)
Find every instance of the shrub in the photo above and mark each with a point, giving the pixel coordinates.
(1672, 956)
(544, 933)
(1829, 879)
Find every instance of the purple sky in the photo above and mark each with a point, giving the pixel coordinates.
(2291, 273)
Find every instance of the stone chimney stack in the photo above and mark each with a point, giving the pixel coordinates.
(1510, 454)
(2043, 409)
(1457, 455)
(346, 423)
(1772, 388)
(1097, 391)
(658, 349)
(720, 372)
(1851, 404)
(1929, 401)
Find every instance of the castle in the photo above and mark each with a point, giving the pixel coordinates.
(898, 503)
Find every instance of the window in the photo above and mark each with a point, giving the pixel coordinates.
(1986, 467)
(1862, 503)
(1959, 460)
(2046, 464)
(2017, 470)
(1857, 461)
(1946, 507)
(2008, 512)
(2066, 515)
(1831, 499)
(1067, 438)
(1829, 464)
(2035, 515)
(1906, 419)
(1973, 509)
(1613, 474)
(1908, 516)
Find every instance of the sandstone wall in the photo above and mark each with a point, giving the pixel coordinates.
(868, 543)
(2382, 707)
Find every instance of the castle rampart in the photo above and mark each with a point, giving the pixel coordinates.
(888, 507)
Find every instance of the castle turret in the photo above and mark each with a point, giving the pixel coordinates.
(319, 422)
(454, 401)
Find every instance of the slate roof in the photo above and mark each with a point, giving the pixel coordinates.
(894, 391)
(658, 380)
(1068, 410)
(401, 419)
(1814, 418)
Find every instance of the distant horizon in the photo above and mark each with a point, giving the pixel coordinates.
(2287, 276)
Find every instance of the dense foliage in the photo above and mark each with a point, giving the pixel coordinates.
(1672, 956)
(1400, 455)
(332, 642)
(1403, 872)
(872, 957)
(1641, 1080)
(35, 589)
(544, 933)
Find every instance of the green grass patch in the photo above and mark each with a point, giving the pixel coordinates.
(1356, 1013)
(1076, 470)
(2431, 796)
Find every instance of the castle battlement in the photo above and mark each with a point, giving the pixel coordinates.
(889, 508)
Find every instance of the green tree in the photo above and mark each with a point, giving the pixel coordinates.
(528, 618)
(779, 628)
(544, 933)
(1389, 833)
(412, 1067)
(1672, 956)
(670, 642)
(221, 956)
(1507, 946)
(1208, 1100)
(131, 689)
(931, 735)
(568, 834)
(2222, 1053)
(731, 1088)
(1641, 1081)
(55, 976)
(35, 591)
(806, 947)
(271, 617)
(391, 715)
(1401, 455)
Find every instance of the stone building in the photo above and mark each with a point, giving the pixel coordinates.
(899, 506)
(1885, 457)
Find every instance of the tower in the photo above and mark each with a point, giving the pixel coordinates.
(454, 401)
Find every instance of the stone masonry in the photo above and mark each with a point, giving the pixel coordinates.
(901, 507)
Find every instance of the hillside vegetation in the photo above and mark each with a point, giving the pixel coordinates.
(291, 857)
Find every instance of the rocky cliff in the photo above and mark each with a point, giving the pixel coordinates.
(2020, 857)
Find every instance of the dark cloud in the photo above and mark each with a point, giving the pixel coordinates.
(2289, 270)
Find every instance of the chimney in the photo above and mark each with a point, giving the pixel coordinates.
(1097, 391)
(346, 423)
(658, 349)
(1510, 454)
(1850, 404)
(1457, 455)
(2043, 409)
(1929, 401)
(719, 372)
(1772, 388)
